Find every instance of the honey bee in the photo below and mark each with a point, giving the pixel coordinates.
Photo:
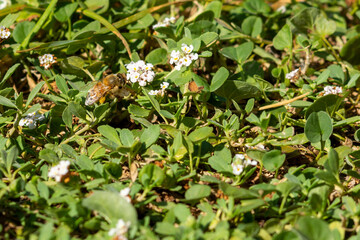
(99, 91)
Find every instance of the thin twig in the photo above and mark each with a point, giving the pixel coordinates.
(279, 104)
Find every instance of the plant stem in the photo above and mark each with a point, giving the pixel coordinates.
(328, 45)
(87, 127)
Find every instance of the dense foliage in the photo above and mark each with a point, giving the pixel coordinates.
(138, 119)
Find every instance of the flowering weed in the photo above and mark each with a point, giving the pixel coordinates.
(227, 120)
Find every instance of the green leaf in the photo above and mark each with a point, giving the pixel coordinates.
(9, 20)
(143, 22)
(324, 27)
(201, 134)
(110, 133)
(237, 90)
(138, 111)
(251, 204)
(283, 38)
(9, 72)
(318, 127)
(304, 20)
(221, 160)
(151, 176)
(126, 137)
(22, 30)
(323, 77)
(219, 78)
(329, 103)
(313, 229)
(333, 162)
(46, 231)
(252, 26)
(67, 117)
(49, 155)
(114, 170)
(77, 110)
(237, 193)
(150, 135)
(249, 105)
(349, 51)
(273, 160)
(157, 56)
(111, 205)
(257, 6)
(239, 53)
(61, 84)
(347, 121)
(337, 73)
(7, 102)
(215, 7)
(11, 156)
(65, 12)
(209, 38)
(353, 80)
(33, 93)
(197, 192)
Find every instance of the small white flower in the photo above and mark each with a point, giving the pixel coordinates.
(165, 23)
(142, 83)
(237, 168)
(4, 33)
(148, 66)
(120, 230)
(47, 60)
(153, 92)
(186, 49)
(248, 162)
(31, 123)
(125, 194)
(164, 85)
(194, 56)
(183, 58)
(140, 72)
(293, 74)
(240, 162)
(59, 170)
(240, 156)
(23, 122)
(332, 90)
(31, 120)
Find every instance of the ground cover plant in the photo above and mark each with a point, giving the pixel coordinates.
(184, 119)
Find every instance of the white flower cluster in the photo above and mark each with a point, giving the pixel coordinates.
(240, 163)
(47, 60)
(120, 230)
(140, 72)
(332, 90)
(4, 33)
(183, 58)
(163, 86)
(59, 170)
(125, 194)
(165, 23)
(31, 119)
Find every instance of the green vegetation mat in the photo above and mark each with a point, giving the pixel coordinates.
(179, 120)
